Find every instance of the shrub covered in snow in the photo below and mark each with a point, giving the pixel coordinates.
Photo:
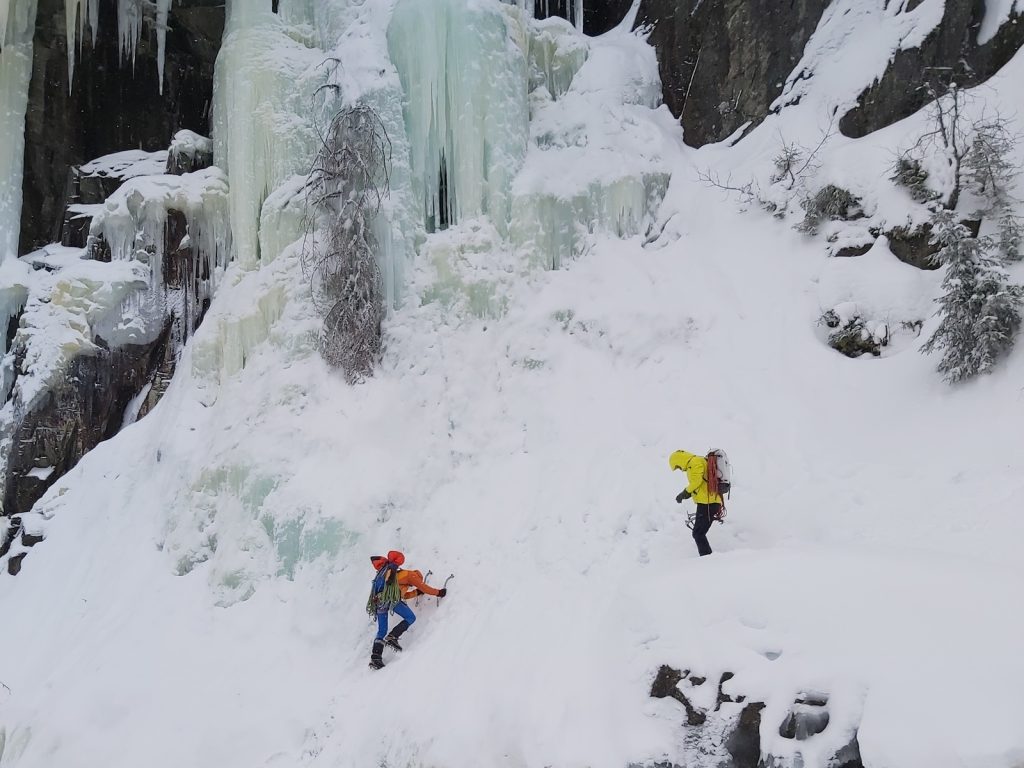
(854, 335)
(830, 203)
(909, 173)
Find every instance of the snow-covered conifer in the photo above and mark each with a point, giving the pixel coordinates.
(980, 309)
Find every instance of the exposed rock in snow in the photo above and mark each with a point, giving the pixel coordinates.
(189, 152)
(126, 165)
(726, 64)
(951, 47)
(92, 334)
(724, 728)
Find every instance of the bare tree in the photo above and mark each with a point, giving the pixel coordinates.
(794, 165)
(748, 191)
(949, 134)
(794, 162)
(346, 187)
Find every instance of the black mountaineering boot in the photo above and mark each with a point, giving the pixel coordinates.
(375, 655)
(392, 638)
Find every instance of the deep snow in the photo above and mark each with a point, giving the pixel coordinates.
(199, 596)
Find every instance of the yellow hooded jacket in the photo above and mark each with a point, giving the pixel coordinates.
(696, 469)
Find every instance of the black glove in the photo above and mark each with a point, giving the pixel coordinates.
(681, 496)
(442, 592)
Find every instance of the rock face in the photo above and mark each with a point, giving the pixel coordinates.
(601, 15)
(951, 47)
(89, 402)
(83, 410)
(723, 62)
(113, 105)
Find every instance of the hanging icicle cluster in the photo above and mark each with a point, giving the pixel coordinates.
(570, 10)
(80, 15)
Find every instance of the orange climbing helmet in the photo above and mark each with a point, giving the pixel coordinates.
(396, 557)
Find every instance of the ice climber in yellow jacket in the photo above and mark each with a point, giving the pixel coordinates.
(709, 505)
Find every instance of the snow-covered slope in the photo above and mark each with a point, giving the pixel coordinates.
(199, 597)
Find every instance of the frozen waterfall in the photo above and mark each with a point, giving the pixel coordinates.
(463, 68)
(17, 24)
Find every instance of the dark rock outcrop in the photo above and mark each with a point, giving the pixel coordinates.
(113, 105)
(14, 563)
(744, 741)
(9, 535)
(732, 730)
(951, 50)
(914, 246)
(83, 409)
(599, 16)
(89, 403)
(723, 62)
(666, 685)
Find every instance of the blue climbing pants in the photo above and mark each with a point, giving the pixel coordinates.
(402, 610)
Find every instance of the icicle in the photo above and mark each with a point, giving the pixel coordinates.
(133, 223)
(71, 8)
(578, 15)
(129, 28)
(162, 9)
(85, 16)
(463, 69)
(15, 74)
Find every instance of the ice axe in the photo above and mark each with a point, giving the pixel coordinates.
(444, 586)
(425, 578)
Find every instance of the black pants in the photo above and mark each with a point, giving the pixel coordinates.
(706, 514)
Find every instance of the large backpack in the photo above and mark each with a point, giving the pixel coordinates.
(385, 592)
(719, 472)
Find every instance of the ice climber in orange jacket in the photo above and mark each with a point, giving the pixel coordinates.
(392, 587)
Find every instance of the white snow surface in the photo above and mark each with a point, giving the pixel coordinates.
(129, 163)
(996, 14)
(189, 143)
(202, 582)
